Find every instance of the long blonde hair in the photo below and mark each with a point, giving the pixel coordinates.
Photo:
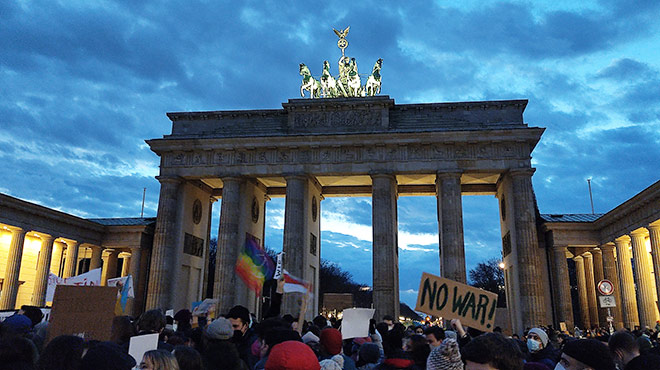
(160, 360)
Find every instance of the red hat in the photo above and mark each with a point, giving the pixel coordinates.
(331, 341)
(292, 355)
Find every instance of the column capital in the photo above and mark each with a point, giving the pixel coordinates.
(380, 175)
(653, 227)
(169, 179)
(519, 172)
(454, 172)
(295, 176)
(16, 229)
(641, 232)
(623, 239)
(578, 258)
(607, 246)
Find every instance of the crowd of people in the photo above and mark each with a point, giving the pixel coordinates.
(235, 340)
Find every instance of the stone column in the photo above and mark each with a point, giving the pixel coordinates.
(610, 273)
(654, 236)
(450, 225)
(228, 243)
(598, 276)
(563, 301)
(532, 295)
(109, 267)
(582, 291)
(43, 267)
(124, 266)
(134, 271)
(71, 262)
(385, 246)
(97, 258)
(645, 293)
(13, 269)
(295, 220)
(165, 248)
(628, 297)
(591, 288)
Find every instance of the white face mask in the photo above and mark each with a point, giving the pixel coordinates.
(559, 366)
(533, 345)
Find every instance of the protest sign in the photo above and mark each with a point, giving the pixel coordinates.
(85, 311)
(122, 282)
(355, 322)
(140, 344)
(90, 278)
(207, 306)
(449, 299)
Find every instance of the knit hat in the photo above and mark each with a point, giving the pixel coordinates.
(590, 352)
(310, 337)
(220, 329)
(292, 355)
(542, 334)
(331, 341)
(20, 324)
(336, 362)
(446, 356)
(369, 353)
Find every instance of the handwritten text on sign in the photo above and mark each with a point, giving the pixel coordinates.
(449, 299)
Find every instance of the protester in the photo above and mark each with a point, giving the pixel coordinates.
(219, 353)
(418, 350)
(122, 330)
(625, 351)
(106, 356)
(62, 353)
(159, 359)
(541, 349)
(583, 354)
(153, 322)
(188, 358)
(368, 356)
(335, 362)
(244, 336)
(494, 350)
(434, 335)
(331, 344)
(292, 355)
(446, 356)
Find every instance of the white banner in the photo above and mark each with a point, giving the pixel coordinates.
(355, 322)
(90, 278)
(122, 281)
(278, 266)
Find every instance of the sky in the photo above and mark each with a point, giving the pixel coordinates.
(84, 83)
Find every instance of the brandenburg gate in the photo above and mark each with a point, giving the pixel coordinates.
(346, 146)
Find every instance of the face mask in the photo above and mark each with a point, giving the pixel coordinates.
(533, 345)
(237, 335)
(559, 366)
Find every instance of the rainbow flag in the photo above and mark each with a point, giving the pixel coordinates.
(253, 265)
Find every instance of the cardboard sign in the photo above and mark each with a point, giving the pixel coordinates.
(452, 300)
(85, 311)
(141, 344)
(355, 322)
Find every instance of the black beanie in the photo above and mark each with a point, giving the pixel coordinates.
(590, 352)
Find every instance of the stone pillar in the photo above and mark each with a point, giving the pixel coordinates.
(165, 248)
(591, 288)
(563, 304)
(654, 236)
(385, 246)
(43, 267)
(532, 296)
(229, 243)
(71, 262)
(109, 267)
(582, 291)
(628, 297)
(125, 266)
(598, 276)
(450, 225)
(134, 271)
(610, 273)
(13, 269)
(645, 293)
(97, 258)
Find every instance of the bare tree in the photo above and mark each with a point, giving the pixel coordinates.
(489, 276)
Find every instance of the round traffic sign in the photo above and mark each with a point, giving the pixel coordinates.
(605, 287)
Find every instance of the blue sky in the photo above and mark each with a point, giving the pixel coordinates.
(84, 83)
